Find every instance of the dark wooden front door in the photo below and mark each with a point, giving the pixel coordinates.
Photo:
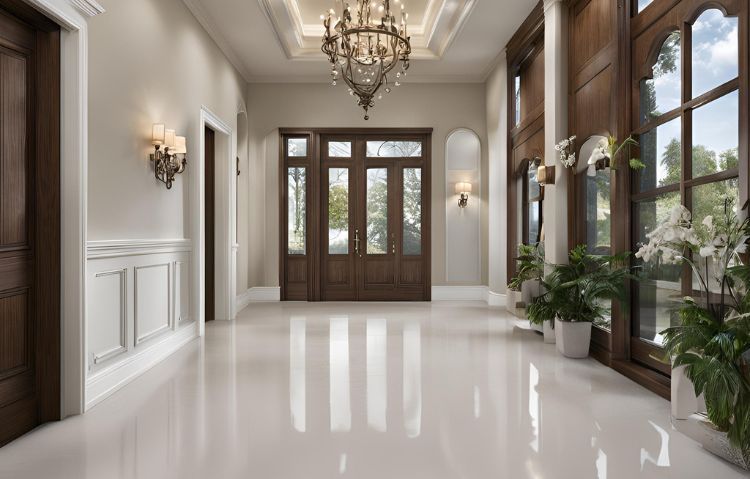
(373, 215)
(210, 179)
(29, 223)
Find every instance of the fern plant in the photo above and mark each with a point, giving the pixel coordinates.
(530, 265)
(712, 339)
(577, 291)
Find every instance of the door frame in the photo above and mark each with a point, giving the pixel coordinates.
(226, 219)
(314, 199)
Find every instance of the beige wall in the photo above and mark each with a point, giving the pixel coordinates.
(443, 107)
(150, 61)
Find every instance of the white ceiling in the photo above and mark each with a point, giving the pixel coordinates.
(311, 9)
(279, 40)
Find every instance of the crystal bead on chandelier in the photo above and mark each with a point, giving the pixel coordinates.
(363, 52)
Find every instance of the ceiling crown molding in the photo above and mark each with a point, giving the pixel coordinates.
(90, 8)
(442, 22)
(204, 18)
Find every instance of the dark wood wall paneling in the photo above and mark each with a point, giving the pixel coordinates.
(525, 56)
(610, 44)
(593, 107)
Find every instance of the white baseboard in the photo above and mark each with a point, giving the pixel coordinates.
(468, 293)
(258, 293)
(104, 383)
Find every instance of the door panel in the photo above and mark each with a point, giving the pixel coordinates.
(29, 229)
(340, 235)
(376, 218)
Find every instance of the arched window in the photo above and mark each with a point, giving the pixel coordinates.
(687, 113)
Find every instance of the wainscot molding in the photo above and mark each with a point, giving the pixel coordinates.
(468, 293)
(105, 382)
(118, 248)
(257, 294)
(90, 8)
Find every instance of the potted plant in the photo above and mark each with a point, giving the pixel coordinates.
(711, 343)
(530, 269)
(576, 296)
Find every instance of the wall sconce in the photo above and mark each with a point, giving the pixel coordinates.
(545, 175)
(168, 163)
(463, 188)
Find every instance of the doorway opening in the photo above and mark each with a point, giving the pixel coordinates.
(355, 215)
(210, 232)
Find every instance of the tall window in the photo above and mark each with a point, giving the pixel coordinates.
(688, 115)
(533, 196)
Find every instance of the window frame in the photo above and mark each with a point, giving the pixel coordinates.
(651, 27)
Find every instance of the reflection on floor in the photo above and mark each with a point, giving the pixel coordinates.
(369, 391)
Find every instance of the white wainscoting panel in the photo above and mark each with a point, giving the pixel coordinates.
(152, 298)
(138, 309)
(109, 339)
(181, 298)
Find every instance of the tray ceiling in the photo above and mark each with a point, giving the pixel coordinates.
(279, 40)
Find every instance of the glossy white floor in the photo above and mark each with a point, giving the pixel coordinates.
(369, 391)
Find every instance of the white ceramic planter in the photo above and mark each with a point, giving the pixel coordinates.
(549, 333)
(700, 429)
(688, 417)
(573, 339)
(684, 401)
(513, 298)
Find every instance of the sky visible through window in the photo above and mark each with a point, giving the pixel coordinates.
(715, 62)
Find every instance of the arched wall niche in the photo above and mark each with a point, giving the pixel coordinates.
(463, 154)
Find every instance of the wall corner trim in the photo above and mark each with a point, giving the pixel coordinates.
(468, 293)
(257, 294)
(90, 8)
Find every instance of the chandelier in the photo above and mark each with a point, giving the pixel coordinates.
(364, 51)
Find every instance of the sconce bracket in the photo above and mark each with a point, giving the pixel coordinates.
(463, 201)
(167, 165)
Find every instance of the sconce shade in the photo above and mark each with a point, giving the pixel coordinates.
(169, 138)
(157, 134)
(463, 187)
(180, 145)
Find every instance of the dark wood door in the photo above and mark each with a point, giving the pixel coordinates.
(29, 225)
(373, 213)
(210, 169)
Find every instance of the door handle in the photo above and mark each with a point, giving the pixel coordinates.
(393, 243)
(356, 243)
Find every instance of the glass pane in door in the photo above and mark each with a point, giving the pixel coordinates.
(296, 214)
(377, 211)
(412, 212)
(660, 288)
(338, 211)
